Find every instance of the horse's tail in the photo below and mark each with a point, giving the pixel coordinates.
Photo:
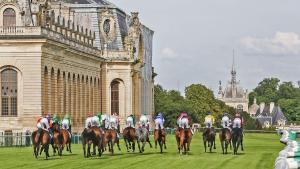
(61, 138)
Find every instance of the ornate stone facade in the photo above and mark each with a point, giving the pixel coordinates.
(234, 95)
(74, 57)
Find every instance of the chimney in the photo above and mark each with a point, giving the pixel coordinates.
(262, 107)
(272, 104)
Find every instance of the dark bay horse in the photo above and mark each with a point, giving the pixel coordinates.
(142, 134)
(66, 139)
(225, 139)
(110, 138)
(130, 138)
(40, 138)
(237, 139)
(160, 137)
(57, 140)
(87, 138)
(209, 136)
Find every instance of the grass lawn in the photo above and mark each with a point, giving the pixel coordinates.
(260, 153)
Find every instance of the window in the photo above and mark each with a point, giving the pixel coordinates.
(240, 108)
(115, 97)
(9, 92)
(9, 17)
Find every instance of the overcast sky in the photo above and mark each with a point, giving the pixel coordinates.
(194, 40)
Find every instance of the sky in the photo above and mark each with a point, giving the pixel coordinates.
(194, 40)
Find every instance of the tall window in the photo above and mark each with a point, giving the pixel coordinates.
(9, 17)
(9, 92)
(115, 97)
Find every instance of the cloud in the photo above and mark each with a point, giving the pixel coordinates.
(168, 53)
(283, 43)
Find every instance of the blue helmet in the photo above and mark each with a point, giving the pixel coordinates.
(210, 113)
(48, 116)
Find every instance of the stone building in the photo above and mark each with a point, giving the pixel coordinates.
(267, 115)
(75, 57)
(234, 95)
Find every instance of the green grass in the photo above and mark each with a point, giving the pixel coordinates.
(260, 153)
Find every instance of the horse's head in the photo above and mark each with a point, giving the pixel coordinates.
(55, 127)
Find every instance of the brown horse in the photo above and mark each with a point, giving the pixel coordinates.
(225, 138)
(209, 136)
(98, 142)
(160, 137)
(57, 140)
(110, 138)
(185, 140)
(66, 139)
(130, 138)
(40, 138)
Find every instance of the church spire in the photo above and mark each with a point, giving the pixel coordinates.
(233, 71)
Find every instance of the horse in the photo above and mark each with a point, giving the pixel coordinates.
(129, 135)
(98, 142)
(66, 139)
(209, 136)
(110, 138)
(225, 139)
(87, 138)
(237, 139)
(143, 136)
(57, 140)
(159, 136)
(40, 137)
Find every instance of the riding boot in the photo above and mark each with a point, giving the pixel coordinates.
(192, 131)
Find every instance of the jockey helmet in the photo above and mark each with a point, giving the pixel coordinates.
(225, 114)
(210, 113)
(160, 114)
(99, 114)
(48, 116)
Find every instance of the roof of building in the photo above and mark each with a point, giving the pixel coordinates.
(269, 112)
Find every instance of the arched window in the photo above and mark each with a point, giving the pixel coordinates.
(9, 17)
(115, 97)
(240, 108)
(9, 92)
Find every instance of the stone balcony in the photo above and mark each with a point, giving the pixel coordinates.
(75, 39)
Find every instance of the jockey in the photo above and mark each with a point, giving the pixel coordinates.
(55, 120)
(97, 120)
(159, 121)
(103, 118)
(88, 121)
(238, 121)
(209, 120)
(182, 116)
(144, 121)
(66, 123)
(39, 124)
(226, 121)
(113, 122)
(130, 121)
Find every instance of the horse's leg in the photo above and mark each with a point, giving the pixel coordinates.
(149, 142)
(242, 146)
(211, 142)
(160, 145)
(125, 140)
(118, 144)
(70, 150)
(89, 150)
(164, 142)
(222, 146)
(133, 146)
(155, 143)
(214, 142)
(84, 149)
(204, 142)
(138, 142)
(54, 149)
(94, 149)
(226, 146)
